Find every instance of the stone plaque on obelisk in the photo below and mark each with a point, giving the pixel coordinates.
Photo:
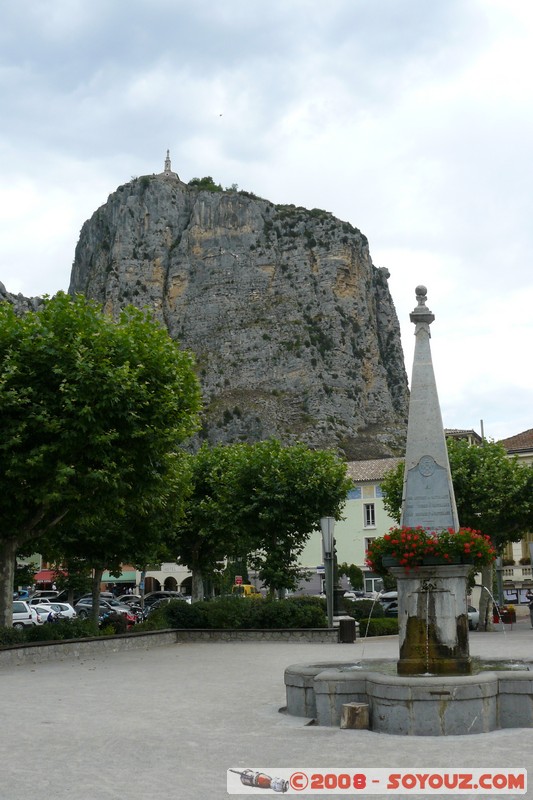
(428, 497)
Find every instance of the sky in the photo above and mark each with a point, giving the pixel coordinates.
(411, 120)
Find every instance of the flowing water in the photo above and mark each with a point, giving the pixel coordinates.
(364, 637)
(497, 607)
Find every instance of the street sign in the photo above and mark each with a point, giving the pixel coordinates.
(320, 570)
(238, 580)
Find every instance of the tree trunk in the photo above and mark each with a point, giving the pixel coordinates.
(8, 554)
(486, 599)
(97, 580)
(197, 589)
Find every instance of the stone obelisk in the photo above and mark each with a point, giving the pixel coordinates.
(432, 610)
(428, 499)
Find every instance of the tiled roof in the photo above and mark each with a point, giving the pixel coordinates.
(371, 470)
(521, 441)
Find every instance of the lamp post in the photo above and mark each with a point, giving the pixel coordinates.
(328, 524)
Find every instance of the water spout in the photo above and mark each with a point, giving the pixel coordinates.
(496, 606)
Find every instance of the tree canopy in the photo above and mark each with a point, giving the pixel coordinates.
(258, 502)
(92, 414)
(492, 491)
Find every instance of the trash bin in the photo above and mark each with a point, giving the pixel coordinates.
(347, 630)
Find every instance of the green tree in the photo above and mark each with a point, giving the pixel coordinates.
(493, 493)
(206, 184)
(491, 490)
(285, 491)
(353, 573)
(209, 531)
(92, 414)
(257, 504)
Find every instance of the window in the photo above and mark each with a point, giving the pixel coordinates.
(355, 493)
(369, 515)
(373, 585)
(368, 542)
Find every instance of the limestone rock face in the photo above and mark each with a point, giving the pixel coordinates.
(293, 328)
(20, 303)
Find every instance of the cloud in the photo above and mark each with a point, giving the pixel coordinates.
(411, 120)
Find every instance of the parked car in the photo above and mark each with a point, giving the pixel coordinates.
(103, 596)
(473, 618)
(387, 598)
(129, 599)
(38, 617)
(392, 609)
(354, 595)
(42, 594)
(46, 613)
(151, 597)
(162, 601)
(22, 614)
(83, 607)
(65, 610)
(37, 600)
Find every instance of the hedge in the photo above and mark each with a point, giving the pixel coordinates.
(381, 626)
(364, 609)
(240, 613)
(50, 632)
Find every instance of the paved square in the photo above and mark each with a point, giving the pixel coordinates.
(168, 722)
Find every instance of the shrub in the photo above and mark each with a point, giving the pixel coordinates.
(156, 621)
(11, 636)
(115, 623)
(229, 612)
(294, 613)
(179, 614)
(246, 613)
(382, 626)
(66, 629)
(363, 609)
(206, 184)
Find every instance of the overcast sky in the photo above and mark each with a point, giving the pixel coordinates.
(412, 120)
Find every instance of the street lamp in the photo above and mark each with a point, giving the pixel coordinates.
(328, 524)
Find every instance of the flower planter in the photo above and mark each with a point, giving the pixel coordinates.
(390, 561)
(507, 617)
(416, 547)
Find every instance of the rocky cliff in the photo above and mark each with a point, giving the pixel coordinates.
(20, 303)
(294, 329)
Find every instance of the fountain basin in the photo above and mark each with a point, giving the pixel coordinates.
(422, 705)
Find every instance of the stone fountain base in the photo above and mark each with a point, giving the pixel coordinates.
(414, 705)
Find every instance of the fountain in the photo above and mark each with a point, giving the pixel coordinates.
(434, 688)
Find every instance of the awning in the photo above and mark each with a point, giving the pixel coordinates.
(47, 575)
(128, 576)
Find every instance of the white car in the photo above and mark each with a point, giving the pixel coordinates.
(65, 610)
(22, 615)
(38, 617)
(473, 618)
(386, 598)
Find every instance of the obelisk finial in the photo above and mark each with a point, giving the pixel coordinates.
(421, 314)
